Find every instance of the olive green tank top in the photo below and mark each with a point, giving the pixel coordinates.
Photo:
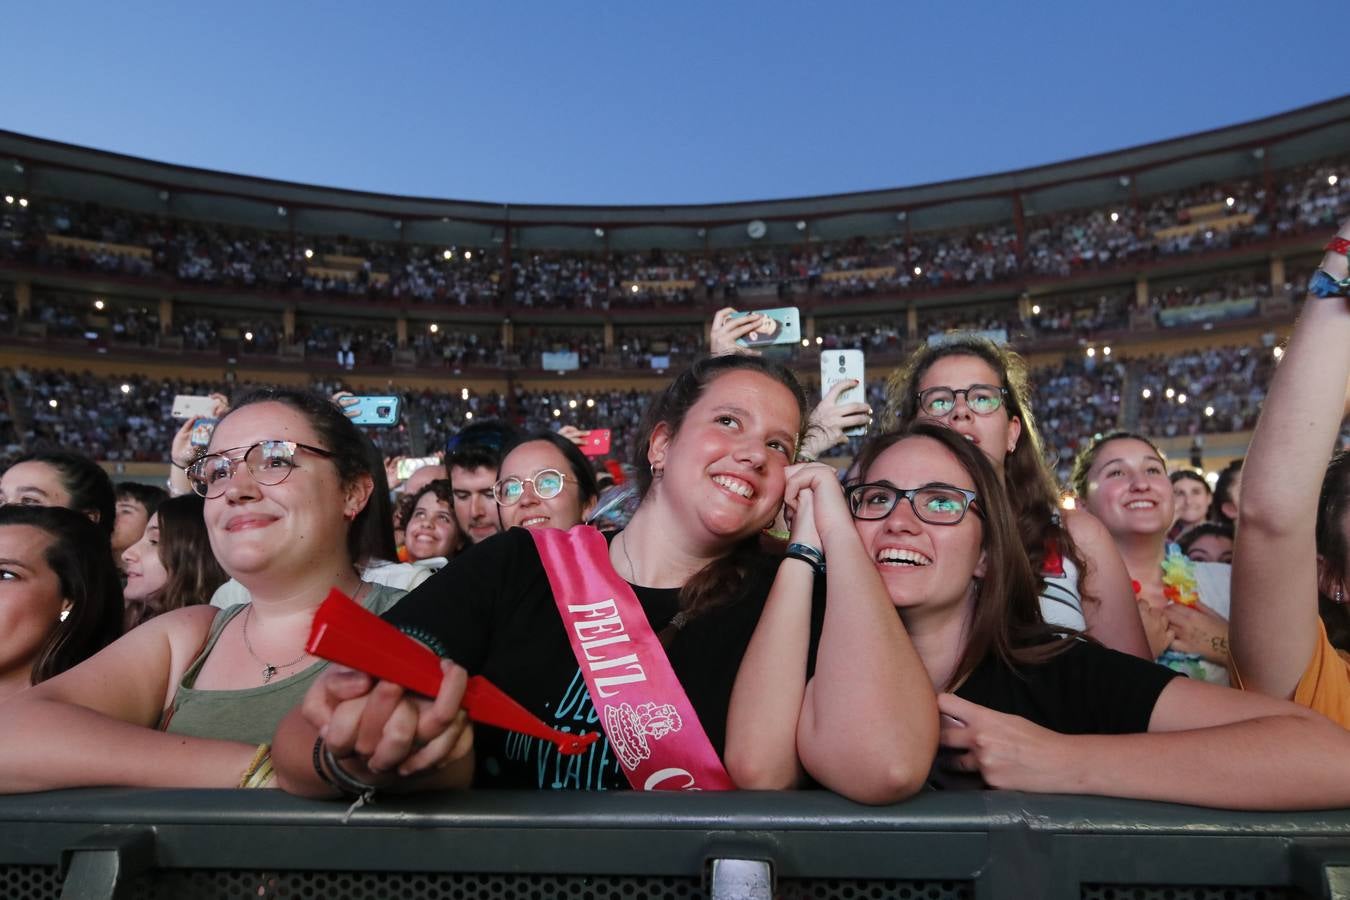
(250, 715)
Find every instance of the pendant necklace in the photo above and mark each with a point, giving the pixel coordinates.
(270, 670)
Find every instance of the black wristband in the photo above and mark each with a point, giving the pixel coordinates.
(807, 554)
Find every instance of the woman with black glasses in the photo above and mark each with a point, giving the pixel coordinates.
(980, 390)
(1023, 706)
(192, 697)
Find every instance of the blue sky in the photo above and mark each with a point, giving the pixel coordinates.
(687, 102)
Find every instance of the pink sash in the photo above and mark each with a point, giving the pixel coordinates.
(652, 728)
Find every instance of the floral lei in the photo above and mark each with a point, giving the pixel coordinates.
(1179, 578)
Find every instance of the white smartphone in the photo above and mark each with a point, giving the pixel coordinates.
(844, 365)
(187, 406)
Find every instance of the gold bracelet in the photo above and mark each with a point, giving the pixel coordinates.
(259, 768)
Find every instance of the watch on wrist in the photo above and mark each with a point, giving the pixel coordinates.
(1323, 285)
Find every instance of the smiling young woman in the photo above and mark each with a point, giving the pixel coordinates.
(981, 391)
(714, 454)
(1122, 479)
(186, 699)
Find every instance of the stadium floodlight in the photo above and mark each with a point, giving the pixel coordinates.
(434, 328)
(901, 216)
(281, 211)
(468, 254)
(1091, 352)
(448, 255)
(1035, 309)
(801, 225)
(806, 342)
(1146, 393)
(309, 254)
(1209, 410)
(1124, 181)
(1229, 202)
(599, 232)
(98, 304)
(126, 389)
(23, 201)
(571, 404)
(1106, 351)
(52, 403)
(1169, 393)
(464, 393)
(248, 335)
(1181, 398)
(820, 340)
(557, 413)
(9, 198)
(1115, 217)
(918, 270)
(1332, 179)
(590, 402)
(1279, 352)
(468, 414)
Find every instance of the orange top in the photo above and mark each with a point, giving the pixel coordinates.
(1325, 685)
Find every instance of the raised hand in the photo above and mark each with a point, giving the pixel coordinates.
(726, 331)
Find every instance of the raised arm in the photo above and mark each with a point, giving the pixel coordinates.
(866, 723)
(95, 724)
(1273, 619)
(1112, 615)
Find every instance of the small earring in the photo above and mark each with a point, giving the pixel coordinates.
(657, 471)
(65, 614)
(1340, 596)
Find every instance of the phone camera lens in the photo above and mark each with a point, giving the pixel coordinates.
(382, 412)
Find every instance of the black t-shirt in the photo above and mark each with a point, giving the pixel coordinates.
(492, 611)
(1087, 689)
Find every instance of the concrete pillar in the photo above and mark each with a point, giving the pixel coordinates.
(508, 335)
(165, 315)
(23, 298)
(1277, 276)
(401, 332)
(609, 335)
(1141, 293)
(912, 322)
(288, 324)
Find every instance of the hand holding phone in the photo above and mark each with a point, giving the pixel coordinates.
(191, 406)
(779, 326)
(381, 411)
(597, 442)
(846, 365)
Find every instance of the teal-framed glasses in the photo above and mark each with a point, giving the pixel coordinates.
(547, 483)
(981, 399)
(269, 462)
(935, 503)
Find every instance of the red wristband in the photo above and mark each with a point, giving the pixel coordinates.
(1339, 245)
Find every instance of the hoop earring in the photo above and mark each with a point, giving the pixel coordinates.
(657, 472)
(65, 614)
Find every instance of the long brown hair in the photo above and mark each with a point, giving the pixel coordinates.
(721, 579)
(184, 551)
(1007, 621)
(1027, 479)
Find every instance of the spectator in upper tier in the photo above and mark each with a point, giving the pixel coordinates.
(58, 478)
(136, 503)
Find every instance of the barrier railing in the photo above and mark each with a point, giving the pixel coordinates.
(976, 845)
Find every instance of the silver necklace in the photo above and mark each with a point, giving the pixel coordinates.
(268, 669)
(632, 572)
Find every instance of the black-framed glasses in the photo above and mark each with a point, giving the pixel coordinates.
(936, 503)
(269, 462)
(981, 399)
(547, 483)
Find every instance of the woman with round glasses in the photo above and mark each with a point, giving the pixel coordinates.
(716, 449)
(981, 391)
(1025, 707)
(544, 482)
(192, 697)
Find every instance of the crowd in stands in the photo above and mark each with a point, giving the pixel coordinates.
(961, 583)
(1196, 220)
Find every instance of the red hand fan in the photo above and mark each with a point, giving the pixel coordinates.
(346, 633)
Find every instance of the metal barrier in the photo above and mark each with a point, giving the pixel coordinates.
(939, 846)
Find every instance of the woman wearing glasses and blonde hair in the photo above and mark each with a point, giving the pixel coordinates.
(544, 482)
(192, 697)
(981, 391)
